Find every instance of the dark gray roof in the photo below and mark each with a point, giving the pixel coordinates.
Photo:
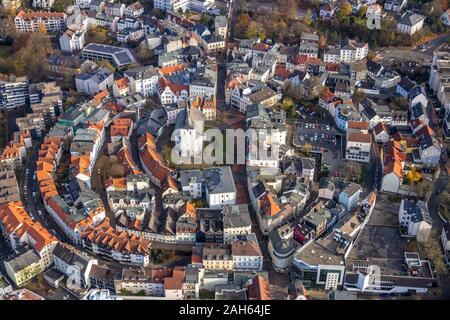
(71, 257)
(24, 260)
(411, 19)
(219, 180)
(188, 118)
(230, 292)
(373, 67)
(190, 176)
(140, 73)
(212, 38)
(351, 189)
(236, 216)
(368, 108)
(417, 110)
(406, 84)
(54, 274)
(283, 246)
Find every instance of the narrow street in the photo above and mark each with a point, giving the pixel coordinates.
(31, 196)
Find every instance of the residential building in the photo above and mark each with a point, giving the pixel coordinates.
(247, 255)
(445, 242)
(14, 92)
(358, 147)
(220, 189)
(94, 82)
(415, 220)
(72, 40)
(40, 21)
(393, 160)
(24, 267)
(350, 195)
(217, 257)
(236, 221)
(410, 23)
(142, 80)
(327, 11)
(75, 265)
(43, 4)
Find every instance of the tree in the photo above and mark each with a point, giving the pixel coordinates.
(106, 64)
(398, 103)
(61, 5)
(353, 171)
(145, 55)
(42, 28)
(346, 9)
(289, 107)
(362, 12)
(242, 24)
(158, 13)
(322, 41)
(373, 43)
(287, 8)
(206, 19)
(444, 199)
(255, 30)
(433, 252)
(307, 148)
(98, 35)
(308, 18)
(424, 188)
(31, 59)
(414, 176)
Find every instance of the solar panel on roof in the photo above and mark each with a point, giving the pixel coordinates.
(123, 58)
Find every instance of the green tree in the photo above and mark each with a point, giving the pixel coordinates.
(255, 30)
(362, 12)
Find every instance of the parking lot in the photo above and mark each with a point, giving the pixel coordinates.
(320, 133)
(315, 134)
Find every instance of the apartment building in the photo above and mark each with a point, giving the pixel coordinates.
(358, 147)
(142, 80)
(40, 21)
(43, 4)
(72, 40)
(14, 92)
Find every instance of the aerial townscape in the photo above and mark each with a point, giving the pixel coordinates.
(224, 150)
